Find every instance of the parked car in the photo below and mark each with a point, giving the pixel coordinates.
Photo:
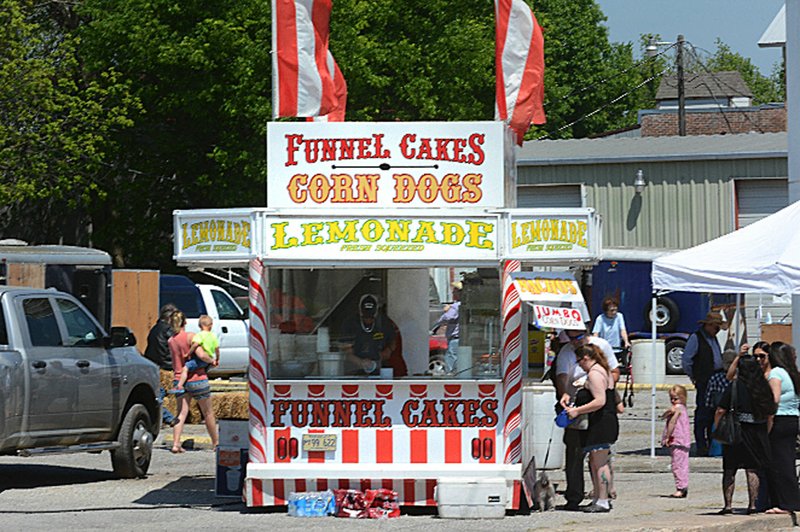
(625, 274)
(69, 386)
(230, 322)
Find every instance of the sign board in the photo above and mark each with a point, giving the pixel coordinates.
(561, 234)
(380, 236)
(391, 422)
(555, 298)
(314, 165)
(219, 235)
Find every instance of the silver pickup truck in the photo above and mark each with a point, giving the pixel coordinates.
(67, 386)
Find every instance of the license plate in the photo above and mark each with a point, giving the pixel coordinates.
(319, 442)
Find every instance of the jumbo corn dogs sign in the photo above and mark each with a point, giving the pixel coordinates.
(395, 164)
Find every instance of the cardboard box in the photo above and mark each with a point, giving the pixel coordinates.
(234, 433)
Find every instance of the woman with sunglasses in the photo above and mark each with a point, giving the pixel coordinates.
(597, 400)
(754, 406)
(784, 381)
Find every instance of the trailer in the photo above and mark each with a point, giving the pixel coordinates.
(369, 209)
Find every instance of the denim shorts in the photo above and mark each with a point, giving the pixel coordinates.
(597, 447)
(197, 389)
(194, 363)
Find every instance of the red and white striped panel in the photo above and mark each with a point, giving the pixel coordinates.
(410, 492)
(512, 366)
(392, 423)
(258, 372)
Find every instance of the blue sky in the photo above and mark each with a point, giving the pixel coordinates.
(739, 23)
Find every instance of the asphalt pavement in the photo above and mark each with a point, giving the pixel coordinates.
(79, 492)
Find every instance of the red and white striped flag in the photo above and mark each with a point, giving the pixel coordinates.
(303, 80)
(340, 90)
(519, 65)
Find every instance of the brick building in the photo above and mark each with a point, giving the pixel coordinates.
(718, 103)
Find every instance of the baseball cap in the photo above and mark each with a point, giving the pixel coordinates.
(368, 306)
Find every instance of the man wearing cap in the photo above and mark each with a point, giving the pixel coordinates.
(702, 356)
(371, 339)
(449, 318)
(567, 373)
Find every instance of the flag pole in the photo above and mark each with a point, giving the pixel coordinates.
(274, 63)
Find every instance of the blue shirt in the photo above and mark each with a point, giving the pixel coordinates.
(450, 318)
(691, 350)
(789, 402)
(610, 329)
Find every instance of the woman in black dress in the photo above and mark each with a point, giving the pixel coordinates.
(754, 408)
(597, 400)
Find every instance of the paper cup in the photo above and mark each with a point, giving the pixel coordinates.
(387, 373)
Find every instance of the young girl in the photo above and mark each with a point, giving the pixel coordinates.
(677, 437)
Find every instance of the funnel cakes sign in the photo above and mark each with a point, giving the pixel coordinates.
(373, 164)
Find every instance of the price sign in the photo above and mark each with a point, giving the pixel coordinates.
(319, 442)
(557, 317)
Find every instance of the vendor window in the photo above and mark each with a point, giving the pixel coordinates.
(384, 323)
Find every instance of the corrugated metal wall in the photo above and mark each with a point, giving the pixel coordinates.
(685, 203)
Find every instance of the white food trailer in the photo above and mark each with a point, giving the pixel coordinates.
(372, 208)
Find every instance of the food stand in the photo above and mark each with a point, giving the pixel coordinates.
(369, 208)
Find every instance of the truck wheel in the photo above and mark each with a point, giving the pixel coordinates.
(132, 458)
(674, 352)
(667, 315)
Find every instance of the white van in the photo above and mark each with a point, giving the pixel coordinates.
(230, 322)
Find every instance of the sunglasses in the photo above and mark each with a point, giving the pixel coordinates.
(760, 357)
(576, 338)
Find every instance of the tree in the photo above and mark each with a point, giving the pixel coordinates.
(765, 89)
(54, 127)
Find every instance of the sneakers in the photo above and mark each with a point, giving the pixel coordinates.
(595, 508)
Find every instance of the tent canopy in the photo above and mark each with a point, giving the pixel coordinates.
(763, 257)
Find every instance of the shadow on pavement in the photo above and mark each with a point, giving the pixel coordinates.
(190, 492)
(30, 476)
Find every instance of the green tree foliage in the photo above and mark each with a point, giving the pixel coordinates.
(202, 73)
(140, 107)
(766, 89)
(55, 124)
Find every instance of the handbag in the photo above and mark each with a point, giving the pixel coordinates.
(729, 430)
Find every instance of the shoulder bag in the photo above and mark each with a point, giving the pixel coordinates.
(729, 431)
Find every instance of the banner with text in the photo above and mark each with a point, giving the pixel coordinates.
(382, 237)
(562, 233)
(385, 164)
(555, 298)
(218, 235)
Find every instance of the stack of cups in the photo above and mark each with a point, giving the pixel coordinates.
(323, 340)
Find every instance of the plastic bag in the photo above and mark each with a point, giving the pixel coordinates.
(311, 504)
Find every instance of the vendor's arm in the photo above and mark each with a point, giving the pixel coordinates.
(731, 373)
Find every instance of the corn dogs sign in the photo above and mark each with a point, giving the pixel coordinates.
(397, 164)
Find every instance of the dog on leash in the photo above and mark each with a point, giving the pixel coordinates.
(544, 494)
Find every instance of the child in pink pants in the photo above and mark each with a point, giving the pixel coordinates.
(677, 436)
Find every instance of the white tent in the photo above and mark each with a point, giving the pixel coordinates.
(763, 257)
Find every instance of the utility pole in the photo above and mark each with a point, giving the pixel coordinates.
(681, 92)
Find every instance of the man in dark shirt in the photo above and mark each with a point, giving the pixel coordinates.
(158, 351)
(370, 339)
(702, 356)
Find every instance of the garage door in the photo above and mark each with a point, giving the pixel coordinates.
(758, 198)
(549, 196)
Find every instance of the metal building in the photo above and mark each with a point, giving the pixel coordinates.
(697, 188)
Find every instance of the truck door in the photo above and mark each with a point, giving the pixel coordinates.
(53, 397)
(84, 341)
(231, 329)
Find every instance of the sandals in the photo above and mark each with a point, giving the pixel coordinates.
(177, 450)
(680, 494)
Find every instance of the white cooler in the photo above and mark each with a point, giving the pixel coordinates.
(464, 498)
